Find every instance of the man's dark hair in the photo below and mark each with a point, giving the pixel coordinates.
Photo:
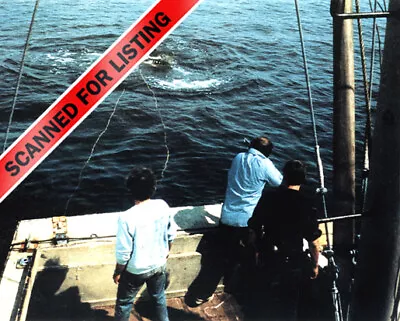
(263, 145)
(141, 183)
(294, 173)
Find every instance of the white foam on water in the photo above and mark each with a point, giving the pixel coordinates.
(178, 84)
(63, 58)
(182, 71)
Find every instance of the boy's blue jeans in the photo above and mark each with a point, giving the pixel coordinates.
(129, 286)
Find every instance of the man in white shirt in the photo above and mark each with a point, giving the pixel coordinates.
(145, 233)
(249, 173)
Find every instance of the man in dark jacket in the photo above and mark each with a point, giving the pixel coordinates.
(281, 220)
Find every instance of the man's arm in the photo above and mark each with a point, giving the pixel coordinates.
(119, 268)
(313, 235)
(273, 175)
(123, 249)
(172, 229)
(314, 251)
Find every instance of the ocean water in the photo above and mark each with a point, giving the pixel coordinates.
(235, 72)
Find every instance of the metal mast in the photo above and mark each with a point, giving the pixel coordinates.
(343, 139)
(376, 292)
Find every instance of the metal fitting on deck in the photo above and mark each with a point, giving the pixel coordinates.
(25, 261)
(60, 230)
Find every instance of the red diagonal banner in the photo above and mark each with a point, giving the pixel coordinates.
(80, 99)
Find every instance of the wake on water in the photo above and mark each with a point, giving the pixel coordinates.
(161, 69)
(167, 74)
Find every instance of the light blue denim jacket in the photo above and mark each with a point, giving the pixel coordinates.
(144, 232)
(249, 173)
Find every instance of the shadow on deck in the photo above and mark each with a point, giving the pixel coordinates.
(222, 307)
(72, 282)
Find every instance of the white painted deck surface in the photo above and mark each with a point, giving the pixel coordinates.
(97, 225)
(82, 259)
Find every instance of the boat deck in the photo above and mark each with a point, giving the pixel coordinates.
(64, 283)
(221, 307)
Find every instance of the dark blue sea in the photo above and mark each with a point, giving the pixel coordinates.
(235, 72)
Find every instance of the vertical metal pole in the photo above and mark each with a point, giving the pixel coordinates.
(376, 291)
(343, 140)
(343, 124)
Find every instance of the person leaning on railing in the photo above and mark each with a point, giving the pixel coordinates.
(283, 217)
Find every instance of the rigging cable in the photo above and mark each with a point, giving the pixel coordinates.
(162, 124)
(92, 151)
(383, 9)
(21, 67)
(322, 190)
(396, 296)
(367, 96)
(333, 269)
(372, 54)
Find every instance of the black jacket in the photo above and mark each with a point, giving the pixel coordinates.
(282, 219)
